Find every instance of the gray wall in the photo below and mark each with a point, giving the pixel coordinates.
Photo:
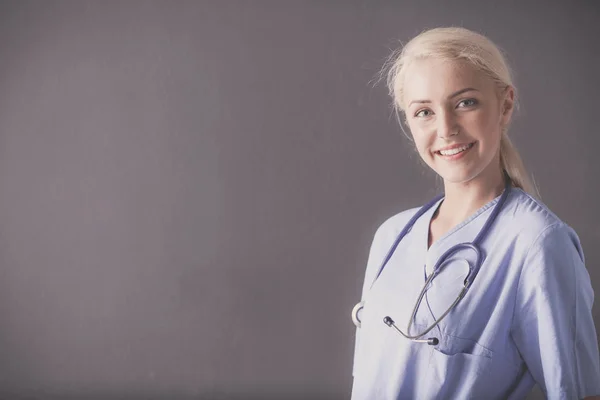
(188, 190)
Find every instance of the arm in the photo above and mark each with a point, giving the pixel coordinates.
(382, 241)
(373, 258)
(553, 327)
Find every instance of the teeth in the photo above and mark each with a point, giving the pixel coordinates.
(454, 151)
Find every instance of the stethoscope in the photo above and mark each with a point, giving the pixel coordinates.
(473, 269)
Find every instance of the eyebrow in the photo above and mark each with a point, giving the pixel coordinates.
(461, 91)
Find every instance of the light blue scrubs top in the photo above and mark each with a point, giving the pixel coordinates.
(526, 319)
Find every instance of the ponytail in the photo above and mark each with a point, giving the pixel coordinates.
(511, 162)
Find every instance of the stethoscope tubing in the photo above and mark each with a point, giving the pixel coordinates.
(473, 269)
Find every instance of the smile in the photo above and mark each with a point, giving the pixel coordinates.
(455, 151)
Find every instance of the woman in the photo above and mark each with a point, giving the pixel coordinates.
(497, 317)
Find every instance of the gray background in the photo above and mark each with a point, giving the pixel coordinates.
(188, 190)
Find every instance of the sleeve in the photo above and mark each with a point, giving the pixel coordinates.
(373, 263)
(553, 327)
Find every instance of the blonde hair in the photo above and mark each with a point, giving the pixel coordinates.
(451, 44)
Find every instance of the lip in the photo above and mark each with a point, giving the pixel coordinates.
(454, 146)
(455, 156)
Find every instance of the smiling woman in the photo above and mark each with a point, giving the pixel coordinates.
(463, 111)
(504, 299)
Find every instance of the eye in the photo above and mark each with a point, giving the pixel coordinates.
(423, 113)
(467, 103)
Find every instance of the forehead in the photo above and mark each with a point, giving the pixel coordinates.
(433, 79)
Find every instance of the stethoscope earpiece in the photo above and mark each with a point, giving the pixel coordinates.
(432, 341)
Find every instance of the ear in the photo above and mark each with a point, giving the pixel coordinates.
(507, 99)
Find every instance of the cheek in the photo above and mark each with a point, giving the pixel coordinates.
(420, 137)
(423, 147)
(490, 143)
(486, 128)
(493, 130)
(479, 122)
(493, 124)
(490, 118)
(418, 140)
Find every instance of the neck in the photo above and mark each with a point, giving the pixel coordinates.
(463, 199)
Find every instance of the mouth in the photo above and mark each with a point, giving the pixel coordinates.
(456, 152)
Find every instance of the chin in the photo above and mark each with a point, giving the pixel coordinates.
(457, 176)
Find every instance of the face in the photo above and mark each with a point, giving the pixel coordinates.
(456, 115)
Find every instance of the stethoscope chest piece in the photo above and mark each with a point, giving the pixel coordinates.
(357, 309)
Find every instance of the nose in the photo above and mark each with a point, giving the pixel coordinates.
(446, 126)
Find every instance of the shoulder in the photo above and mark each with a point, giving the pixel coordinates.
(387, 233)
(385, 236)
(533, 221)
(392, 226)
(537, 228)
